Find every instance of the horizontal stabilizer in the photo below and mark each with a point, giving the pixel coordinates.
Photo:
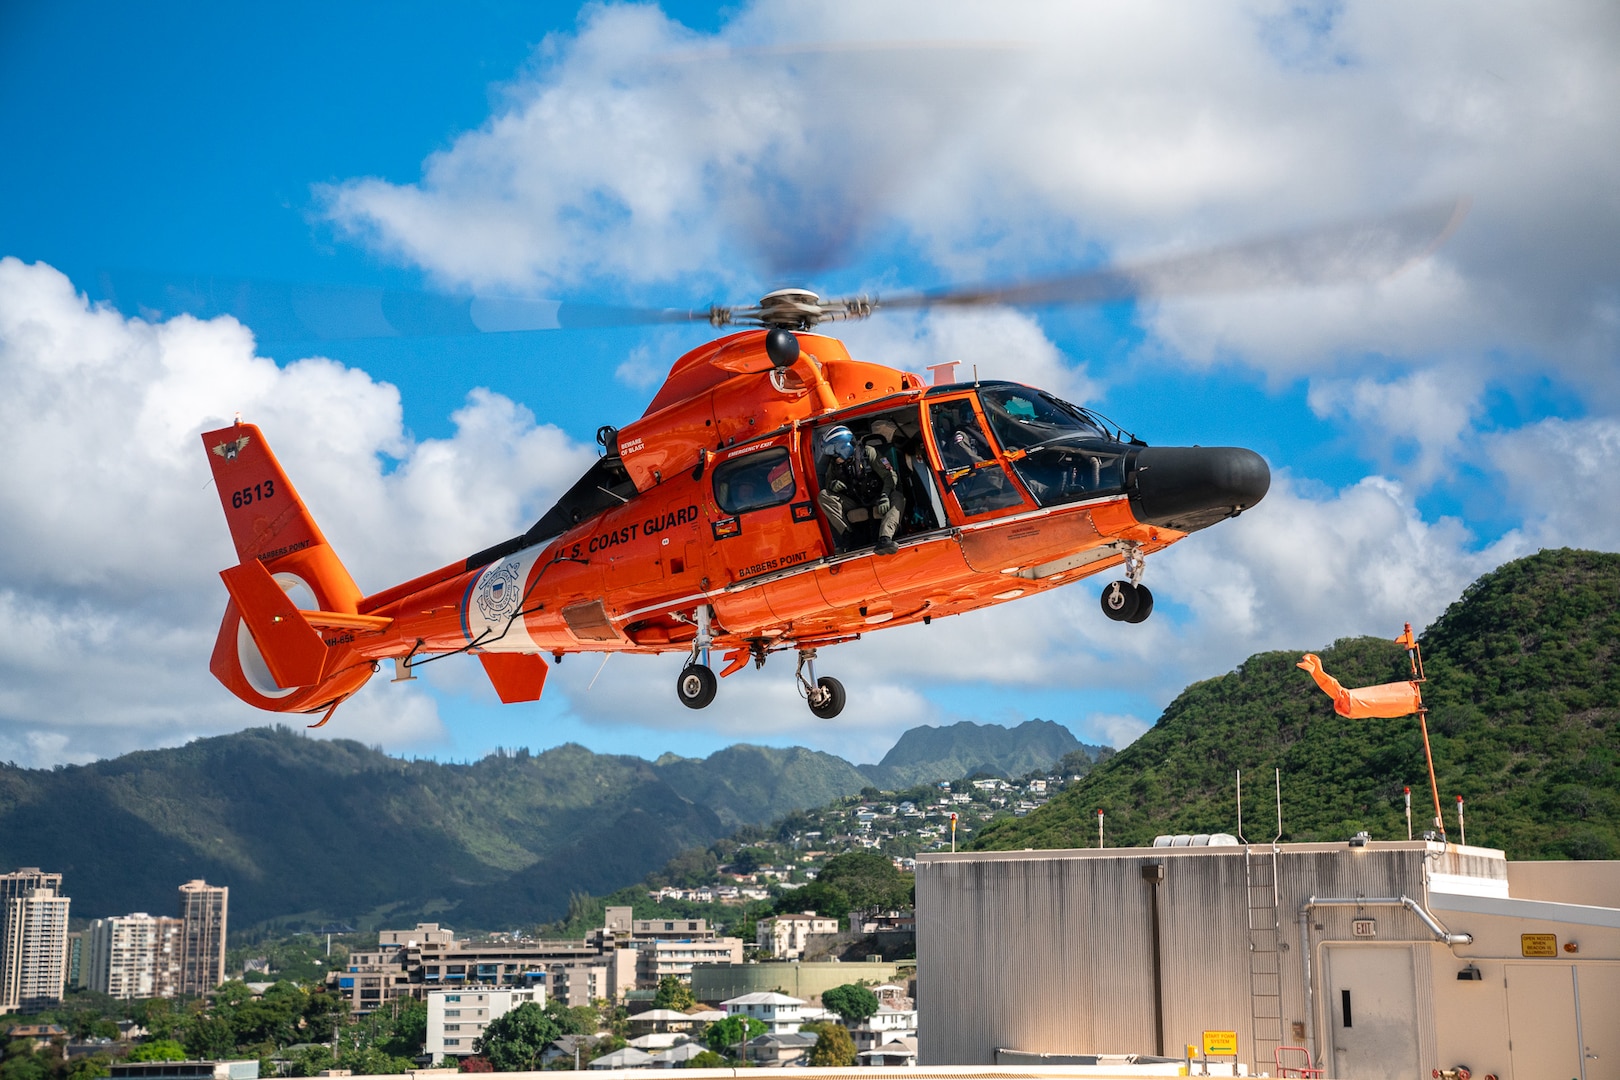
(515, 676)
(292, 650)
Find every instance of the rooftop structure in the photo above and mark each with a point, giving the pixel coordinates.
(1376, 958)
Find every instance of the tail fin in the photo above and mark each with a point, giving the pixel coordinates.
(268, 652)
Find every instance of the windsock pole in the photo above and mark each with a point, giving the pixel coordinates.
(1414, 653)
(1408, 812)
(1462, 830)
(1099, 828)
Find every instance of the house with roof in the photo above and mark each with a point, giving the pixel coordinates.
(780, 1048)
(627, 1058)
(890, 1055)
(778, 1012)
(677, 1057)
(885, 1026)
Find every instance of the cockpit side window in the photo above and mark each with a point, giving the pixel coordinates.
(755, 481)
(957, 434)
(972, 472)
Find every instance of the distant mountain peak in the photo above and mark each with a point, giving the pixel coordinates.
(952, 751)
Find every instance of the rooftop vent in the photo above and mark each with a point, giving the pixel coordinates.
(1219, 839)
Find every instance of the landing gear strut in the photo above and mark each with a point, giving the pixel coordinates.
(826, 694)
(1129, 600)
(696, 685)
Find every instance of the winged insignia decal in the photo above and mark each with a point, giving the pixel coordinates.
(228, 450)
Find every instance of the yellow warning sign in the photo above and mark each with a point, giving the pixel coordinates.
(1538, 944)
(1220, 1043)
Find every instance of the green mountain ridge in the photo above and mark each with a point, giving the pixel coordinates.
(317, 830)
(1523, 694)
(926, 753)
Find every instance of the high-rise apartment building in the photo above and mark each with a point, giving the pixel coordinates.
(19, 884)
(133, 956)
(202, 936)
(33, 947)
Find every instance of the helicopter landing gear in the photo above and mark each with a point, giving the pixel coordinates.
(697, 684)
(1129, 601)
(826, 694)
(1124, 602)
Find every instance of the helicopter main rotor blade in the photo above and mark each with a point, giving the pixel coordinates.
(1361, 251)
(279, 311)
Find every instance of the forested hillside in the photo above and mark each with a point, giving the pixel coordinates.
(316, 830)
(1524, 698)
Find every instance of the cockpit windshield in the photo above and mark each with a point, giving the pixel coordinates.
(1062, 453)
(1023, 418)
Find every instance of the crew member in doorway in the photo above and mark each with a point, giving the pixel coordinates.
(859, 486)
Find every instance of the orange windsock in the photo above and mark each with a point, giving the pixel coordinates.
(1386, 700)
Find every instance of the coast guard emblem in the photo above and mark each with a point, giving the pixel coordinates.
(498, 592)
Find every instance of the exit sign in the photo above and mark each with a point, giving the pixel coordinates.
(1364, 928)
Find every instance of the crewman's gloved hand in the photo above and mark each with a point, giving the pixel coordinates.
(882, 507)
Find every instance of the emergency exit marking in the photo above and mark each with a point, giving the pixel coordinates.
(1220, 1043)
(1364, 928)
(1538, 944)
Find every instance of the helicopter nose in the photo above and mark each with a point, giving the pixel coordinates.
(1187, 488)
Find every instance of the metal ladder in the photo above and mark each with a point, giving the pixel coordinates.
(1265, 935)
(1265, 967)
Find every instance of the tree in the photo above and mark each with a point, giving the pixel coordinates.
(574, 1019)
(674, 994)
(405, 1030)
(869, 880)
(818, 896)
(158, 1050)
(514, 1042)
(476, 1065)
(708, 1059)
(209, 1037)
(834, 1048)
(724, 1036)
(851, 1001)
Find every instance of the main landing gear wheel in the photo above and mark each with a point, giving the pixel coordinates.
(696, 686)
(1124, 602)
(827, 699)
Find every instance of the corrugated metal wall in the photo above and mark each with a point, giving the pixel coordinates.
(1052, 951)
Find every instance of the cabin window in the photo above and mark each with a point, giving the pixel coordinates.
(755, 481)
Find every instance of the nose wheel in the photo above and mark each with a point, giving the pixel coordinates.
(1124, 602)
(1129, 600)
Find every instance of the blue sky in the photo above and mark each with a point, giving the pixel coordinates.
(1422, 428)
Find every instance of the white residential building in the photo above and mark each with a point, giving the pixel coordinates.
(133, 956)
(785, 936)
(457, 1018)
(33, 967)
(887, 1025)
(778, 1012)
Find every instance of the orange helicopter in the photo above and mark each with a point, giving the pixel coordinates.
(776, 495)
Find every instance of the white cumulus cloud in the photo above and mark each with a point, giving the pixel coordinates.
(109, 599)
